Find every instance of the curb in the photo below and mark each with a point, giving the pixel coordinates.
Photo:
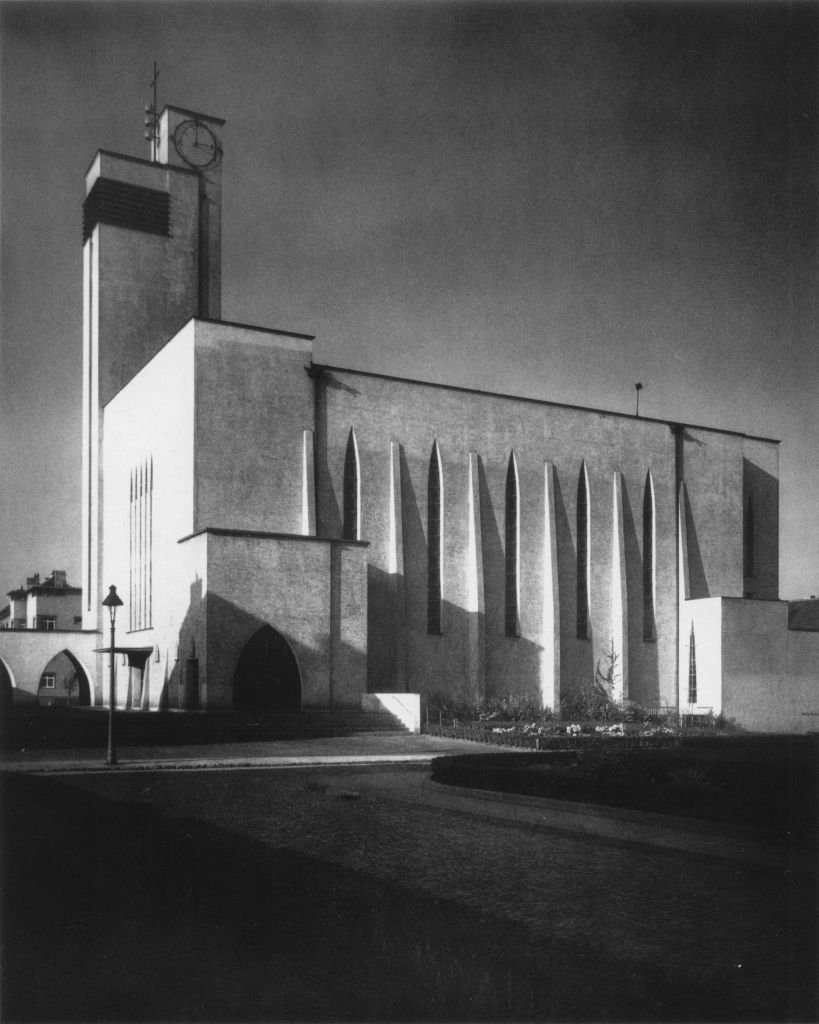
(210, 764)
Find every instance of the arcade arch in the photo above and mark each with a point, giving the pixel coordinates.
(64, 681)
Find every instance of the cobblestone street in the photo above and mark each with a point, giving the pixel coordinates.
(633, 930)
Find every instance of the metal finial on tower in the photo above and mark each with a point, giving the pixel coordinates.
(152, 119)
(638, 388)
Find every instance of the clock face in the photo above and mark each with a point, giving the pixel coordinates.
(197, 145)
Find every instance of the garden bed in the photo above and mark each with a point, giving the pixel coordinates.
(767, 783)
(532, 736)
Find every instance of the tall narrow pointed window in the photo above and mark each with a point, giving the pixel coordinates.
(649, 561)
(692, 668)
(512, 548)
(748, 538)
(583, 545)
(140, 568)
(351, 526)
(435, 540)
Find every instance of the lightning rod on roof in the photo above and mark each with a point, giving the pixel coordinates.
(638, 388)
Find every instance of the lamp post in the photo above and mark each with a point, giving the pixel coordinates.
(112, 602)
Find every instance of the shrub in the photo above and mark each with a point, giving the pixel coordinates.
(512, 708)
(443, 708)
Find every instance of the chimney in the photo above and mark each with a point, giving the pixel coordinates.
(59, 579)
(33, 581)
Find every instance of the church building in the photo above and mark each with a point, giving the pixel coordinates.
(286, 534)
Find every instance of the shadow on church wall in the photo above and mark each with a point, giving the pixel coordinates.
(385, 615)
(643, 663)
(218, 630)
(697, 582)
(576, 655)
(415, 564)
(328, 510)
(763, 490)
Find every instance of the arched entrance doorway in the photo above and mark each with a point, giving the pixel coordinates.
(267, 674)
(63, 681)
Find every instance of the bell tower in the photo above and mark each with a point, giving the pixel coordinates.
(151, 262)
(190, 141)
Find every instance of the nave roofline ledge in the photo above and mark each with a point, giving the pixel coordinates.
(253, 327)
(317, 370)
(220, 531)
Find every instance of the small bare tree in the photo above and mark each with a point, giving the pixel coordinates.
(69, 685)
(607, 674)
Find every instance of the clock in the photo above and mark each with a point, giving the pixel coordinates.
(197, 145)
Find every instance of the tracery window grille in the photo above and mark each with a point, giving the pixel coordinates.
(435, 541)
(512, 548)
(692, 668)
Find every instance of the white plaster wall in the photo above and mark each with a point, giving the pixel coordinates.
(404, 706)
(153, 418)
(254, 401)
(713, 472)
(90, 518)
(770, 674)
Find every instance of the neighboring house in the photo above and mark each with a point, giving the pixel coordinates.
(47, 604)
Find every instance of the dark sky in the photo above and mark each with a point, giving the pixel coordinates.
(550, 199)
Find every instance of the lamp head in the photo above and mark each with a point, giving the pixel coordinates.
(112, 602)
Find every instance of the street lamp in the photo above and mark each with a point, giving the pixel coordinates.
(112, 602)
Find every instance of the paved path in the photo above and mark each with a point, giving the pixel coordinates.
(385, 750)
(359, 748)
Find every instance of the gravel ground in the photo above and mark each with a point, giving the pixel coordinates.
(404, 910)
